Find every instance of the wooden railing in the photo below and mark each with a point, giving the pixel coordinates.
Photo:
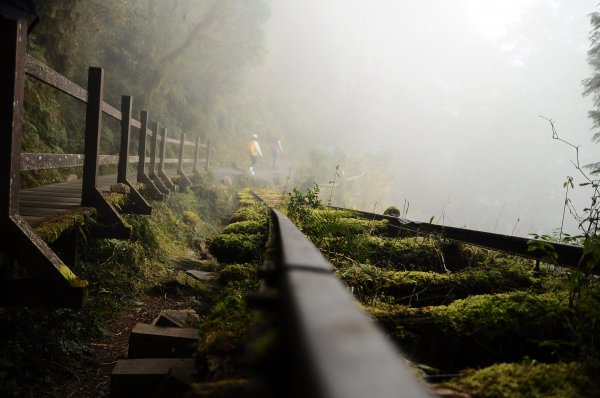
(49, 281)
(156, 178)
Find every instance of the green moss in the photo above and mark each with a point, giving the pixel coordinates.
(53, 228)
(250, 213)
(237, 248)
(421, 254)
(246, 227)
(479, 329)
(527, 379)
(237, 272)
(222, 334)
(70, 277)
(420, 288)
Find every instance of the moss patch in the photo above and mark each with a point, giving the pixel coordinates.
(478, 330)
(527, 379)
(418, 288)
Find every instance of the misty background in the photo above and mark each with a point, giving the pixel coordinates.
(430, 106)
(437, 100)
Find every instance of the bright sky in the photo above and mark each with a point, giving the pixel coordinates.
(452, 90)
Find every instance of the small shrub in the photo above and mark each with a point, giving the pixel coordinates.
(190, 217)
(392, 211)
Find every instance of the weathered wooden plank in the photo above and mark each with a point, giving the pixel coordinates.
(25, 204)
(34, 211)
(43, 73)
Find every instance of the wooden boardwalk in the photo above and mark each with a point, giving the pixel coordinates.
(40, 203)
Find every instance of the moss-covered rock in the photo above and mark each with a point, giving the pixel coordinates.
(528, 379)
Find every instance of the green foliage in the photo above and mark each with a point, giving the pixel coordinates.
(526, 379)
(237, 248)
(299, 204)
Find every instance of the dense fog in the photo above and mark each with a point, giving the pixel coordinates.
(440, 100)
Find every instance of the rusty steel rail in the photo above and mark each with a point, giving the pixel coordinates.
(567, 255)
(337, 351)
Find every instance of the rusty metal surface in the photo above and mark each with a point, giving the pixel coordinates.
(568, 255)
(336, 350)
(297, 251)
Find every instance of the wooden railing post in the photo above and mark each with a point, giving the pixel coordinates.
(113, 224)
(196, 154)
(152, 165)
(161, 166)
(162, 150)
(207, 154)
(12, 77)
(186, 181)
(141, 174)
(93, 126)
(152, 171)
(126, 105)
(180, 159)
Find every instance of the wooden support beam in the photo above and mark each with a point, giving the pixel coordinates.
(161, 165)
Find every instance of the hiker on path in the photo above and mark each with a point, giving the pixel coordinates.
(276, 150)
(254, 152)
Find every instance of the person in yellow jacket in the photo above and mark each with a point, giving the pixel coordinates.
(254, 151)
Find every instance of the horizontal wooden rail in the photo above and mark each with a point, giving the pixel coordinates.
(567, 255)
(338, 352)
(47, 75)
(42, 161)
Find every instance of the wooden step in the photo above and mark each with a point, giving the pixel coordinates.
(150, 341)
(177, 318)
(152, 377)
